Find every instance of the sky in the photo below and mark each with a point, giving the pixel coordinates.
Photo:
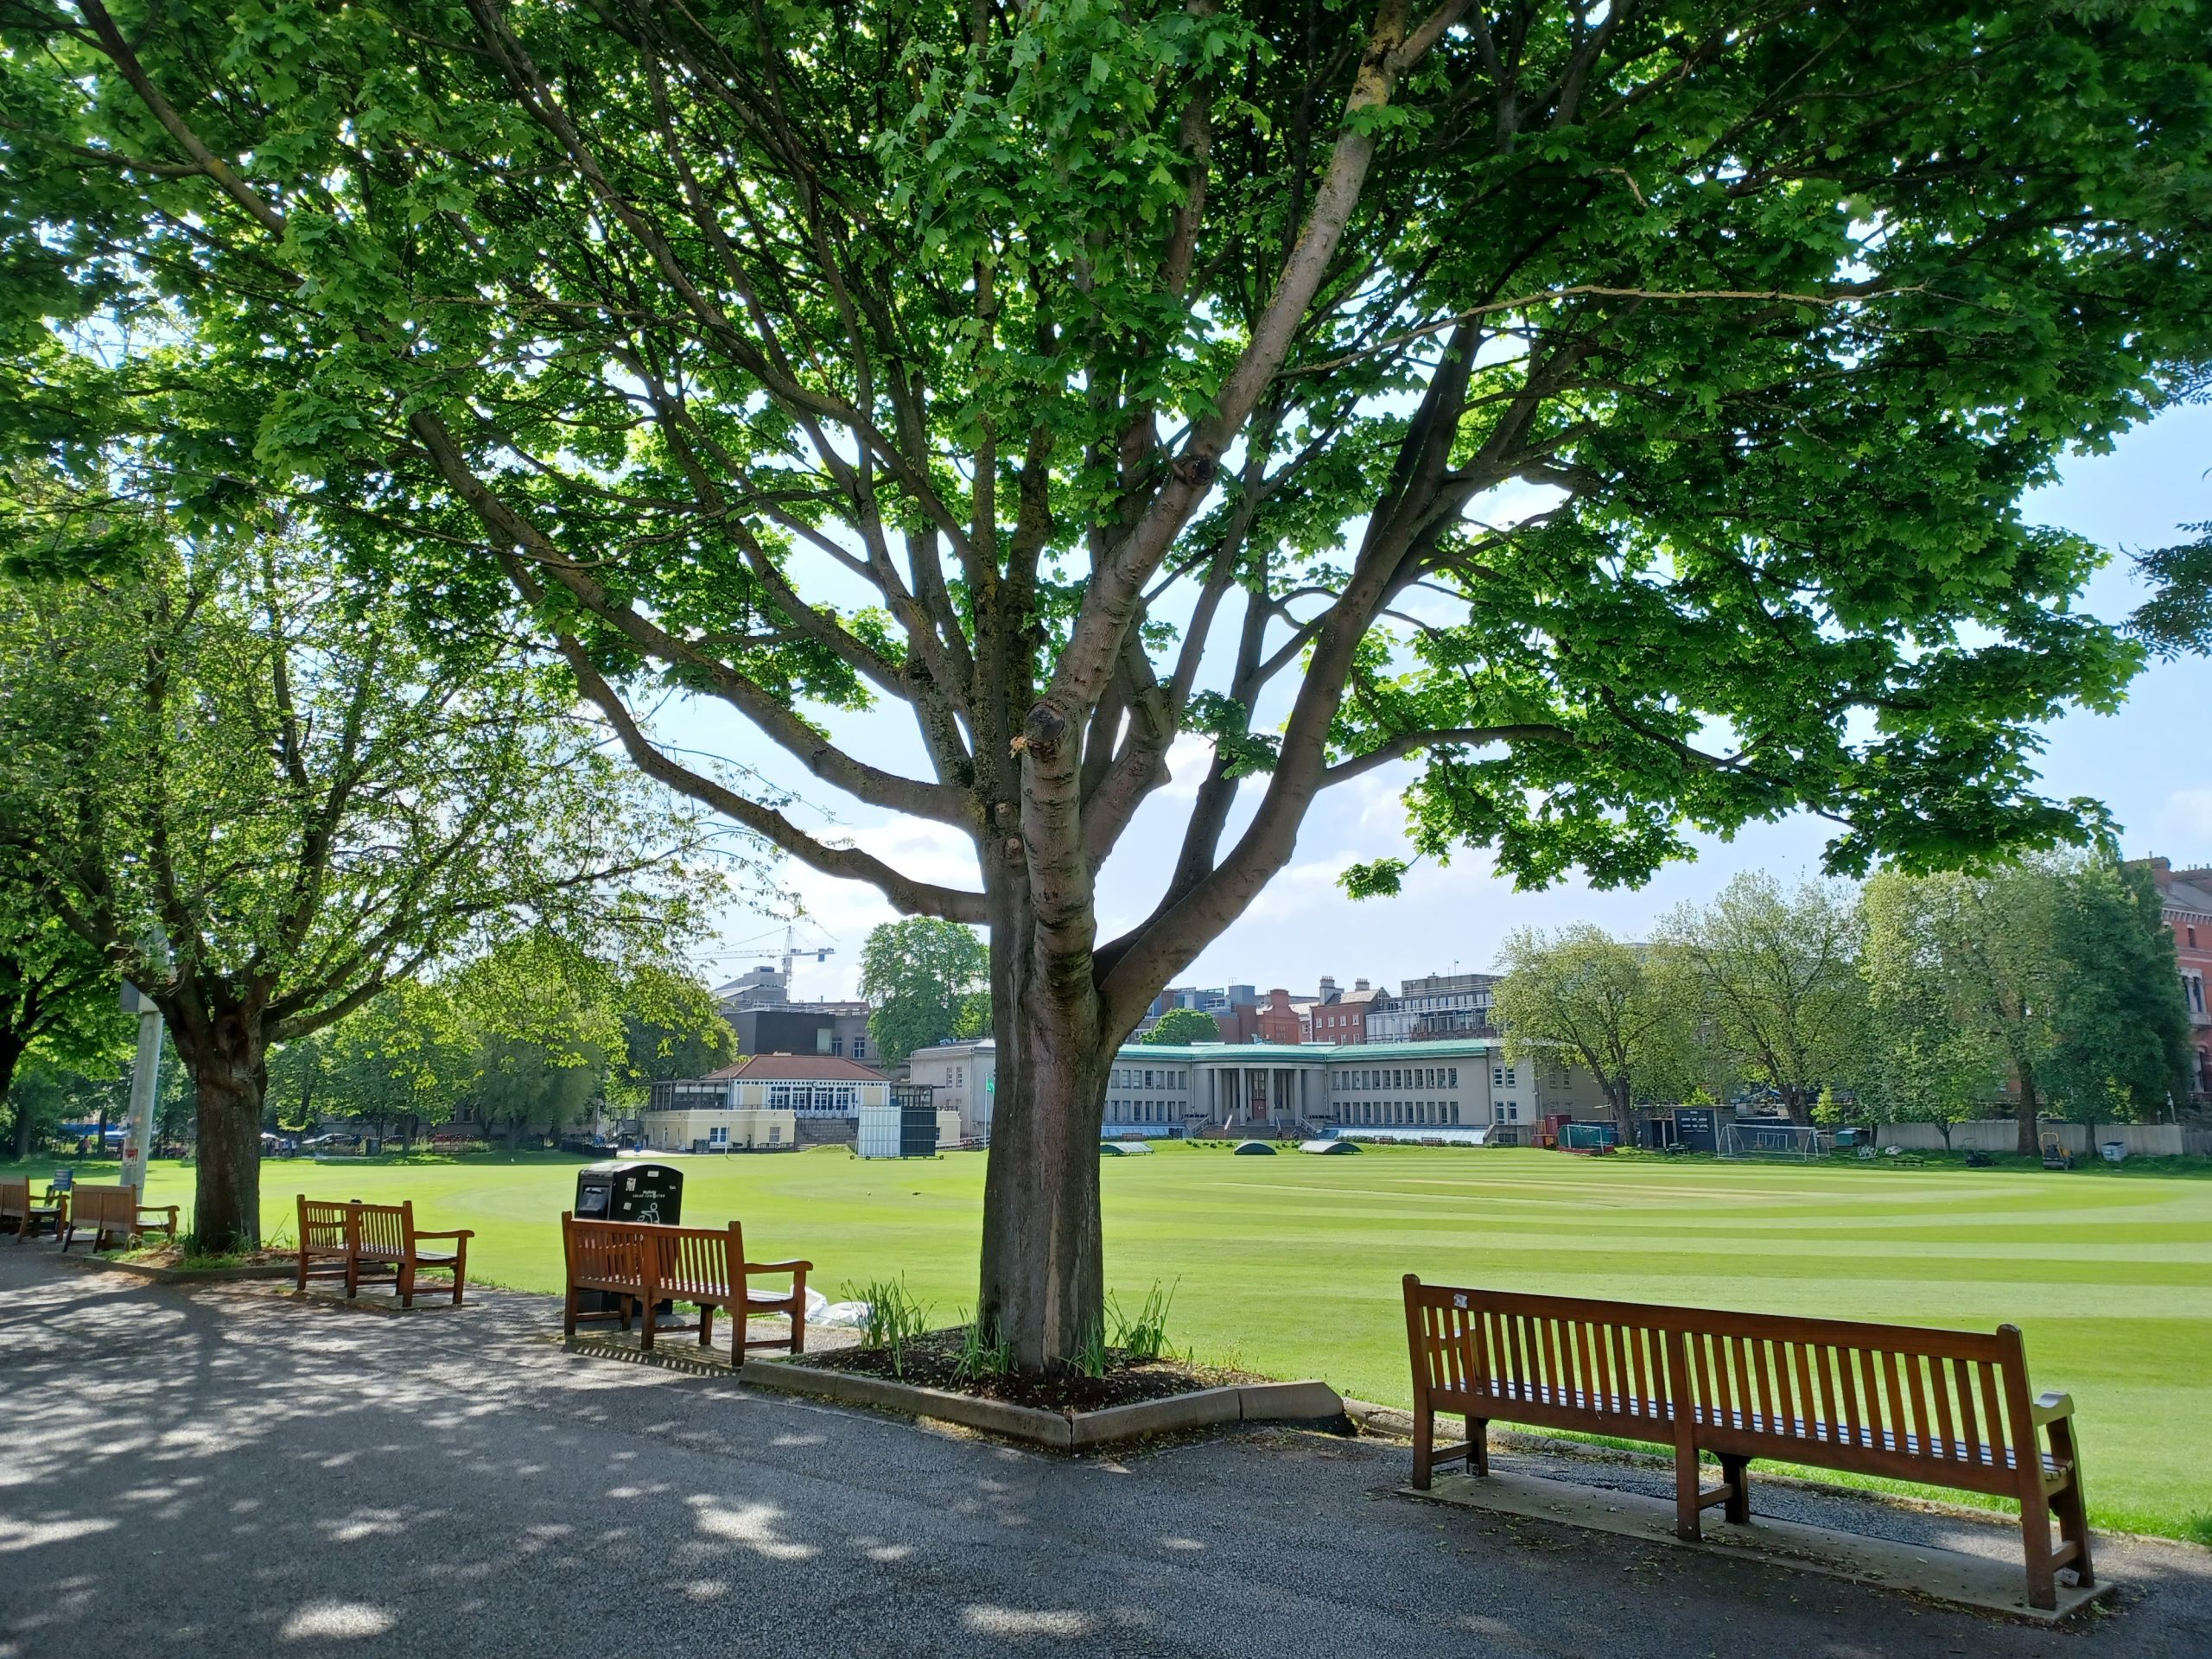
(2149, 763)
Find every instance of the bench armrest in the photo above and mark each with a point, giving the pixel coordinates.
(2049, 1407)
(169, 1209)
(459, 1232)
(779, 1266)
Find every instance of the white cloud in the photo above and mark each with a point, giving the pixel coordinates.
(2182, 827)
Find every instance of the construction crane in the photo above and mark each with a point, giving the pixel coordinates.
(790, 952)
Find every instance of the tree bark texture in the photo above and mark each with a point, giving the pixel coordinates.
(224, 1050)
(2029, 1143)
(1618, 1097)
(12, 1056)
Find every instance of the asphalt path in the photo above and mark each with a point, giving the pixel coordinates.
(219, 1471)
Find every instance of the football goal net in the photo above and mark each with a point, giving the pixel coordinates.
(1792, 1140)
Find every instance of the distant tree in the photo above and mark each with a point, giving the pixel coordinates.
(929, 980)
(1775, 976)
(1935, 1054)
(250, 783)
(2056, 973)
(2119, 1047)
(404, 1060)
(58, 995)
(47, 1093)
(1184, 1025)
(544, 1022)
(1582, 996)
(670, 1028)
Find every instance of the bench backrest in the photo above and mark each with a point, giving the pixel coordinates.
(322, 1225)
(385, 1228)
(104, 1206)
(16, 1199)
(607, 1254)
(680, 1261)
(1895, 1396)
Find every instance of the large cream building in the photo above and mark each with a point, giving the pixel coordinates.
(1175, 1089)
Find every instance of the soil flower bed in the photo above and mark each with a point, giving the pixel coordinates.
(175, 1257)
(932, 1360)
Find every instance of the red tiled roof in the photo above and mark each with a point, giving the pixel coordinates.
(800, 1068)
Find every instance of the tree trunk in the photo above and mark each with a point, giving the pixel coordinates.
(223, 1049)
(1792, 1102)
(12, 1047)
(1043, 1286)
(2029, 1144)
(11, 1054)
(1618, 1098)
(514, 1136)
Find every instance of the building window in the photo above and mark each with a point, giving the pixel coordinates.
(860, 1048)
(718, 1136)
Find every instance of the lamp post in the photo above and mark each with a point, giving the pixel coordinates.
(145, 1073)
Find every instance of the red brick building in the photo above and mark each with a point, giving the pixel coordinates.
(2186, 898)
(1341, 1017)
(1278, 1022)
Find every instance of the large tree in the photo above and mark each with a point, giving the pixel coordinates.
(1582, 997)
(1084, 375)
(929, 980)
(247, 783)
(2120, 1048)
(2056, 974)
(1775, 975)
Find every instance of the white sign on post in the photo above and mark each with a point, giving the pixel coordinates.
(145, 1073)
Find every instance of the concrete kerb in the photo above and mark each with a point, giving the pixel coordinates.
(1307, 1401)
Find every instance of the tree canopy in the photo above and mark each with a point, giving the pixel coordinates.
(1184, 1025)
(1621, 411)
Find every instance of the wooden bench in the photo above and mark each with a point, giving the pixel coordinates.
(642, 1265)
(113, 1213)
(23, 1217)
(344, 1241)
(1942, 1407)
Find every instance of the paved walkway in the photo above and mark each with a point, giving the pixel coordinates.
(227, 1472)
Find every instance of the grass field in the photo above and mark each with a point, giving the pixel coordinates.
(1290, 1265)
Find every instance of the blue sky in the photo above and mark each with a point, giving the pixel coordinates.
(2149, 763)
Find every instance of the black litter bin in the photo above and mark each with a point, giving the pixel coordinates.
(647, 1192)
(652, 1192)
